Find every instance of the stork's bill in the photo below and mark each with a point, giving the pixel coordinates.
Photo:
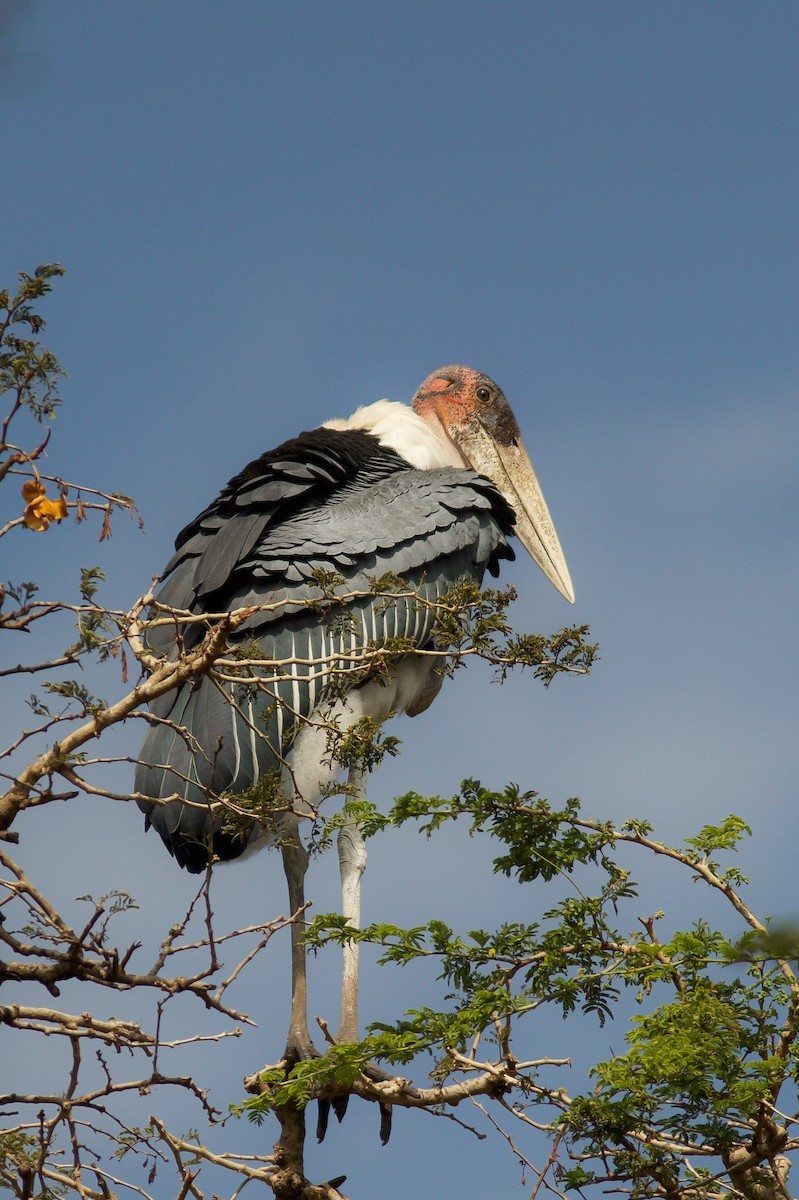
(469, 411)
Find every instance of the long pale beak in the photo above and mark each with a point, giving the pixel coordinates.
(510, 468)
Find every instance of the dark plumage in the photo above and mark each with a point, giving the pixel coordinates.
(332, 501)
(429, 494)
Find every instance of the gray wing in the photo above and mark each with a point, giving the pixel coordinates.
(431, 528)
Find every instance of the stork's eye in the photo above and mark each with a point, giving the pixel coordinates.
(483, 395)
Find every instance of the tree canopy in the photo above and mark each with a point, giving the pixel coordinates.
(699, 1096)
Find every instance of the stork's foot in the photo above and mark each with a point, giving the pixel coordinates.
(322, 1118)
(339, 1105)
(385, 1123)
(299, 1048)
(378, 1075)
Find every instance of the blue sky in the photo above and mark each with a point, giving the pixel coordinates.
(271, 213)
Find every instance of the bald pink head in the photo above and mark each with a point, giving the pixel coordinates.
(469, 412)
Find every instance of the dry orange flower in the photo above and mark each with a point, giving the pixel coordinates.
(39, 511)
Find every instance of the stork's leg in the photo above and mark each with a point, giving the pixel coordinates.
(295, 863)
(352, 862)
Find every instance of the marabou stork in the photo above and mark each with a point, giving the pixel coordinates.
(430, 493)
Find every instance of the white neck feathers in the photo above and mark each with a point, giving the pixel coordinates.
(401, 429)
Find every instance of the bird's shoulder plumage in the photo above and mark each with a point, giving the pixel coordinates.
(333, 500)
(304, 473)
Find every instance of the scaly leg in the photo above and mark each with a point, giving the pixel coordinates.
(295, 863)
(352, 861)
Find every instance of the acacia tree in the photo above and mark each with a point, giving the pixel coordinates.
(701, 1101)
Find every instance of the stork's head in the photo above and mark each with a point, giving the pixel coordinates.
(469, 412)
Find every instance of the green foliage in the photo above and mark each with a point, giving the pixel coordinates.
(85, 704)
(471, 620)
(26, 370)
(21, 1156)
(364, 744)
(97, 631)
(340, 1066)
(709, 1050)
(90, 580)
(22, 593)
(725, 836)
(259, 802)
(386, 583)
